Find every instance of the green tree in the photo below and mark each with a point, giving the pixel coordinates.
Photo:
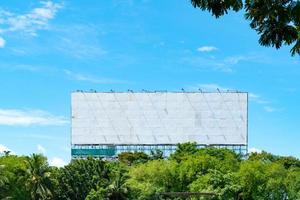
(117, 188)
(286, 161)
(220, 171)
(97, 194)
(262, 180)
(183, 150)
(202, 162)
(292, 183)
(225, 185)
(77, 179)
(263, 156)
(37, 176)
(3, 180)
(145, 180)
(275, 185)
(131, 158)
(13, 172)
(277, 22)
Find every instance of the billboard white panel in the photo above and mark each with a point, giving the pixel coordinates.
(159, 118)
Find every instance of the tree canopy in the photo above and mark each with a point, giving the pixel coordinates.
(135, 175)
(277, 22)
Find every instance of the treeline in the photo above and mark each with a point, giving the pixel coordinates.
(218, 173)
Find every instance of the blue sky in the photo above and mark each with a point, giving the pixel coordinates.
(50, 48)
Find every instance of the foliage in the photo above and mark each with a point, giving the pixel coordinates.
(37, 177)
(184, 150)
(99, 193)
(77, 179)
(116, 190)
(3, 179)
(261, 180)
(139, 176)
(292, 182)
(131, 158)
(12, 173)
(152, 177)
(225, 186)
(277, 22)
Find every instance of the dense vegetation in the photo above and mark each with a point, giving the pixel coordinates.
(219, 172)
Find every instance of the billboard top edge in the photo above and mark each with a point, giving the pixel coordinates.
(159, 91)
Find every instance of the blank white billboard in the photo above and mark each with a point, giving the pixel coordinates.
(159, 118)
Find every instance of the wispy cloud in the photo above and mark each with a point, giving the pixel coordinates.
(41, 149)
(2, 42)
(257, 98)
(209, 87)
(88, 78)
(207, 48)
(225, 64)
(4, 148)
(57, 162)
(80, 49)
(80, 41)
(254, 150)
(29, 23)
(233, 60)
(17, 117)
(271, 109)
(267, 105)
(21, 67)
(41, 136)
(207, 63)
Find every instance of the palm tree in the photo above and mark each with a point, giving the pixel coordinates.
(37, 176)
(3, 182)
(118, 190)
(3, 178)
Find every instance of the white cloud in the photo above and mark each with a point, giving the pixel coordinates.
(207, 63)
(254, 150)
(3, 149)
(260, 100)
(57, 162)
(88, 78)
(41, 136)
(37, 19)
(224, 64)
(207, 48)
(2, 42)
(79, 46)
(47, 11)
(17, 117)
(233, 60)
(257, 98)
(41, 149)
(270, 109)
